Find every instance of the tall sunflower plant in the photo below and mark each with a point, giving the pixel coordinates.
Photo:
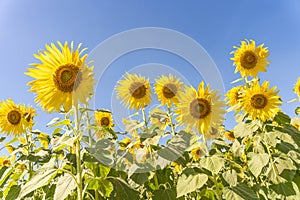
(177, 150)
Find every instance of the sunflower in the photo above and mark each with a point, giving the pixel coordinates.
(134, 90)
(44, 139)
(297, 88)
(124, 143)
(177, 167)
(198, 152)
(200, 109)
(250, 59)
(296, 123)
(29, 114)
(103, 119)
(233, 97)
(11, 118)
(167, 89)
(261, 103)
(4, 161)
(229, 135)
(62, 78)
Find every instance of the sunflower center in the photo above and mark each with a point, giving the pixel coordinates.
(259, 101)
(14, 117)
(249, 60)
(169, 90)
(200, 108)
(67, 78)
(104, 121)
(137, 90)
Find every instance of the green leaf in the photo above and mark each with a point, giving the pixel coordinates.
(104, 186)
(140, 178)
(282, 118)
(230, 177)
(245, 192)
(64, 186)
(285, 189)
(5, 176)
(13, 192)
(176, 146)
(42, 177)
(229, 194)
(187, 184)
(212, 163)
(245, 129)
(122, 191)
(257, 162)
(65, 122)
(53, 121)
(165, 194)
(103, 152)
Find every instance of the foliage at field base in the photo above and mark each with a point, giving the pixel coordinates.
(86, 157)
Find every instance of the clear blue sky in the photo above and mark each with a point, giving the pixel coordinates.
(26, 26)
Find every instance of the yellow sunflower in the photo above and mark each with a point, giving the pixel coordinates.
(250, 59)
(4, 161)
(12, 119)
(177, 167)
(44, 139)
(297, 88)
(167, 89)
(62, 78)
(229, 135)
(198, 152)
(124, 143)
(104, 119)
(233, 97)
(200, 109)
(261, 103)
(134, 90)
(29, 114)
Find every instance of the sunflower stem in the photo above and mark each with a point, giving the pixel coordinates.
(205, 144)
(145, 119)
(29, 149)
(171, 121)
(78, 155)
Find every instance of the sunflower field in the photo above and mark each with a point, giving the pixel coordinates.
(177, 150)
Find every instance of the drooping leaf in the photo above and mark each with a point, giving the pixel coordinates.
(230, 177)
(245, 192)
(176, 146)
(42, 177)
(165, 194)
(13, 192)
(257, 162)
(285, 189)
(212, 163)
(64, 187)
(188, 184)
(122, 191)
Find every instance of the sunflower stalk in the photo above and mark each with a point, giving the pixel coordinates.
(145, 119)
(78, 155)
(29, 149)
(171, 120)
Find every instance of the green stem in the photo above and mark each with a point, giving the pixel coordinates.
(171, 121)
(89, 130)
(78, 155)
(155, 181)
(29, 149)
(145, 119)
(205, 144)
(96, 195)
(272, 161)
(217, 187)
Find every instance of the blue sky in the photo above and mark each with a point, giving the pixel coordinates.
(26, 26)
